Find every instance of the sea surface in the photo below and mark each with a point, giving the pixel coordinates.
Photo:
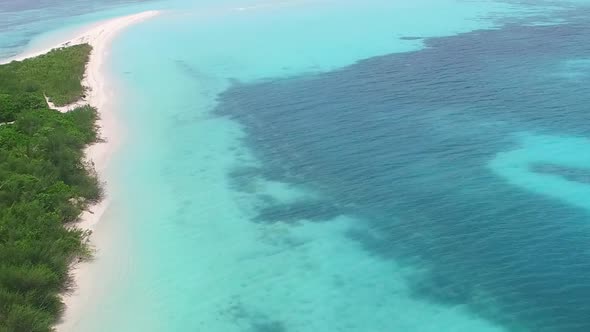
(340, 166)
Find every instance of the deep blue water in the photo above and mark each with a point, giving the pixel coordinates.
(404, 142)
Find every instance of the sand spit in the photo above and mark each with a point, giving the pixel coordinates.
(99, 95)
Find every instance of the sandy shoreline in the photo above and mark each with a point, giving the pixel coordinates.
(100, 36)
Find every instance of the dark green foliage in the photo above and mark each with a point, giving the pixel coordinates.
(43, 184)
(57, 74)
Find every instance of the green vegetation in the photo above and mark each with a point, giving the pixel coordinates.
(43, 185)
(57, 74)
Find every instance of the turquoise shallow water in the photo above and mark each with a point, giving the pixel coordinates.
(25, 24)
(324, 166)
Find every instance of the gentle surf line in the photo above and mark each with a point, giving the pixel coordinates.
(99, 95)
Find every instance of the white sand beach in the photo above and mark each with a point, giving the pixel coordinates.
(99, 36)
(99, 95)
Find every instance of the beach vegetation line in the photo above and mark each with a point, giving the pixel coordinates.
(45, 185)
